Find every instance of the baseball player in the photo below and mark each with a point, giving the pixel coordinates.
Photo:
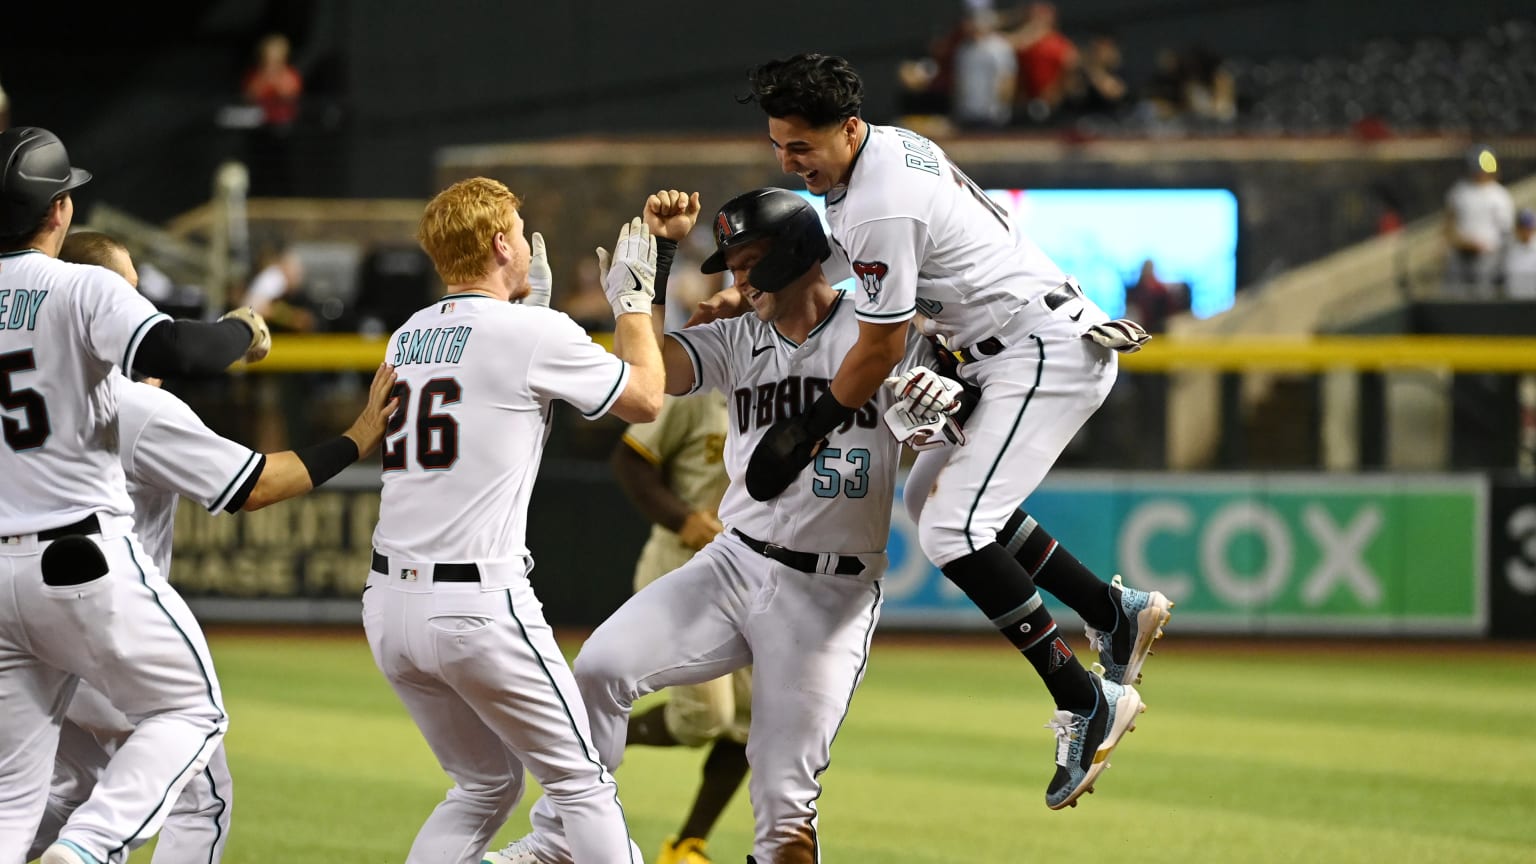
(792, 585)
(83, 600)
(451, 618)
(673, 470)
(166, 452)
(919, 236)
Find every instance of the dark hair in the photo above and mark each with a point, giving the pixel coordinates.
(818, 87)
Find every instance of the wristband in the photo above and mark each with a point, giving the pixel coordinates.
(326, 459)
(825, 415)
(665, 251)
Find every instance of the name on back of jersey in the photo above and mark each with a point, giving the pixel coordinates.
(18, 308)
(765, 404)
(431, 345)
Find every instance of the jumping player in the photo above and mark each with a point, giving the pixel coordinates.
(919, 236)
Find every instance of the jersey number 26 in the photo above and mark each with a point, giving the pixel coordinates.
(437, 435)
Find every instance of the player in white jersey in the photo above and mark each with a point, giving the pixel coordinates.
(920, 237)
(167, 452)
(451, 618)
(81, 599)
(792, 586)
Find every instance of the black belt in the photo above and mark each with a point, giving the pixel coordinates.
(440, 572)
(88, 525)
(1053, 299)
(805, 562)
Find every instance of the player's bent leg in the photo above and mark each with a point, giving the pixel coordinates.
(32, 695)
(133, 637)
(1121, 622)
(198, 827)
(488, 779)
(677, 630)
(79, 761)
(811, 649)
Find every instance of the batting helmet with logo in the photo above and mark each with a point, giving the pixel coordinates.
(777, 214)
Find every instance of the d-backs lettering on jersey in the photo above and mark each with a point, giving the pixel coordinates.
(168, 451)
(476, 377)
(921, 236)
(842, 502)
(65, 326)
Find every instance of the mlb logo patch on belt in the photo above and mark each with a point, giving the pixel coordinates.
(408, 574)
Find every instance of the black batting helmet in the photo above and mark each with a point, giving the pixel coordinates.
(777, 214)
(36, 171)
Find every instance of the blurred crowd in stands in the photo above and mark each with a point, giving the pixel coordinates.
(1491, 245)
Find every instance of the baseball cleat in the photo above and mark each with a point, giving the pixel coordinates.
(689, 850)
(1084, 742)
(1123, 650)
(65, 852)
(519, 851)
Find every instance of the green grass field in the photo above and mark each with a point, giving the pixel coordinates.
(1248, 752)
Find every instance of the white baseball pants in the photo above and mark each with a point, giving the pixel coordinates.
(481, 674)
(129, 634)
(807, 636)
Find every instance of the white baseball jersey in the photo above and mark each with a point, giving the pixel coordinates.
(167, 451)
(477, 378)
(842, 503)
(918, 235)
(62, 328)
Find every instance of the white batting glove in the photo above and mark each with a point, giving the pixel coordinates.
(541, 279)
(1121, 334)
(630, 276)
(925, 394)
(923, 433)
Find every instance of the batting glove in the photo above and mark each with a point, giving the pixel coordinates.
(925, 394)
(261, 337)
(1121, 334)
(541, 280)
(630, 276)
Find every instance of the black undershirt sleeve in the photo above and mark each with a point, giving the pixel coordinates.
(183, 348)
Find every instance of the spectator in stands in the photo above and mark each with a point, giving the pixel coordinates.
(273, 83)
(1097, 89)
(926, 83)
(1478, 214)
(1520, 258)
(985, 73)
(1207, 88)
(1046, 61)
(275, 292)
(1151, 302)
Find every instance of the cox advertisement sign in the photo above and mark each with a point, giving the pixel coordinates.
(1251, 553)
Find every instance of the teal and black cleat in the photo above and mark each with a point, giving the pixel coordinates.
(1084, 742)
(1123, 650)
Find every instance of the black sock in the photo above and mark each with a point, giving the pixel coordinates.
(1058, 571)
(650, 729)
(724, 770)
(1001, 588)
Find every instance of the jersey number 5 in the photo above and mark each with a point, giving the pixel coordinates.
(437, 435)
(31, 434)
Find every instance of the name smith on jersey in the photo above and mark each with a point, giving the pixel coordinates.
(431, 345)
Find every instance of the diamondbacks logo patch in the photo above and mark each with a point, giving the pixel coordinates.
(871, 276)
(723, 230)
(1060, 654)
